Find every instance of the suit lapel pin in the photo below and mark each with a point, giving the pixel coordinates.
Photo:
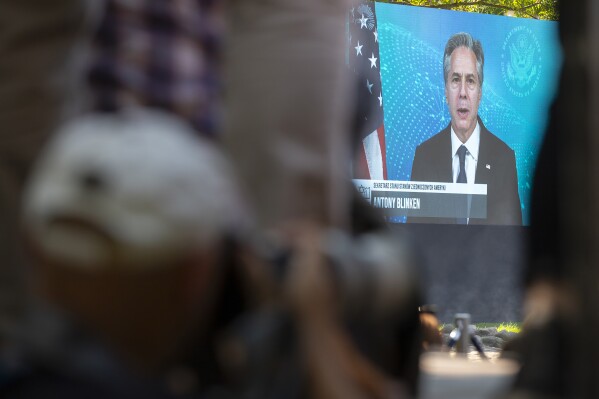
(488, 166)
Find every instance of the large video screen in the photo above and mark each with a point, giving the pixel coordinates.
(462, 107)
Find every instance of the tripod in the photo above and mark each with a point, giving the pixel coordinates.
(463, 335)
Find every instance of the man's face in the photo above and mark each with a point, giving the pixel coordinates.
(463, 92)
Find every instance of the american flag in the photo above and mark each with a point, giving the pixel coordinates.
(364, 61)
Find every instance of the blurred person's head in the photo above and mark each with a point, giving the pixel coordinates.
(125, 217)
(430, 328)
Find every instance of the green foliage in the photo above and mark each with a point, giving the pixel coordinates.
(537, 9)
(509, 326)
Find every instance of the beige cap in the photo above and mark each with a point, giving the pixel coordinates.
(133, 190)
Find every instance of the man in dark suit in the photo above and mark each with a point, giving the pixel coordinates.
(465, 151)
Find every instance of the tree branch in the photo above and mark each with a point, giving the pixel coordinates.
(479, 3)
(538, 3)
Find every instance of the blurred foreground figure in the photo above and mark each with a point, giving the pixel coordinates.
(547, 340)
(36, 42)
(129, 220)
(558, 346)
(288, 132)
(287, 108)
(126, 218)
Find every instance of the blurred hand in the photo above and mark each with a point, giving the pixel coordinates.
(335, 366)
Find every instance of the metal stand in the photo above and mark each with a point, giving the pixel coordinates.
(463, 335)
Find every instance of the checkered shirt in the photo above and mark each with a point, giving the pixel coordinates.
(160, 53)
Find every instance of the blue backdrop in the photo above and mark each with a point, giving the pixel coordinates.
(522, 59)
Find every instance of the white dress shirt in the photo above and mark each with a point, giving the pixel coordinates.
(471, 155)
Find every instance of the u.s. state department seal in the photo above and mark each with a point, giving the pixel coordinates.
(521, 65)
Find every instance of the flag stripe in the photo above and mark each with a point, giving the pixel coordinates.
(374, 152)
(381, 134)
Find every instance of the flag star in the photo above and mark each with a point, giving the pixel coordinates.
(372, 61)
(358, 49)
(380, 97)
(369, 85)
(376, 36)
(363, 21)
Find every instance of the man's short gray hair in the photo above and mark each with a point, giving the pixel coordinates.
(463, 39)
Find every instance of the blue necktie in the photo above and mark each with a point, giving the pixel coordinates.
(462, 175)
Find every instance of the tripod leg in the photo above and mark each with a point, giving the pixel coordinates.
(478, 345)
